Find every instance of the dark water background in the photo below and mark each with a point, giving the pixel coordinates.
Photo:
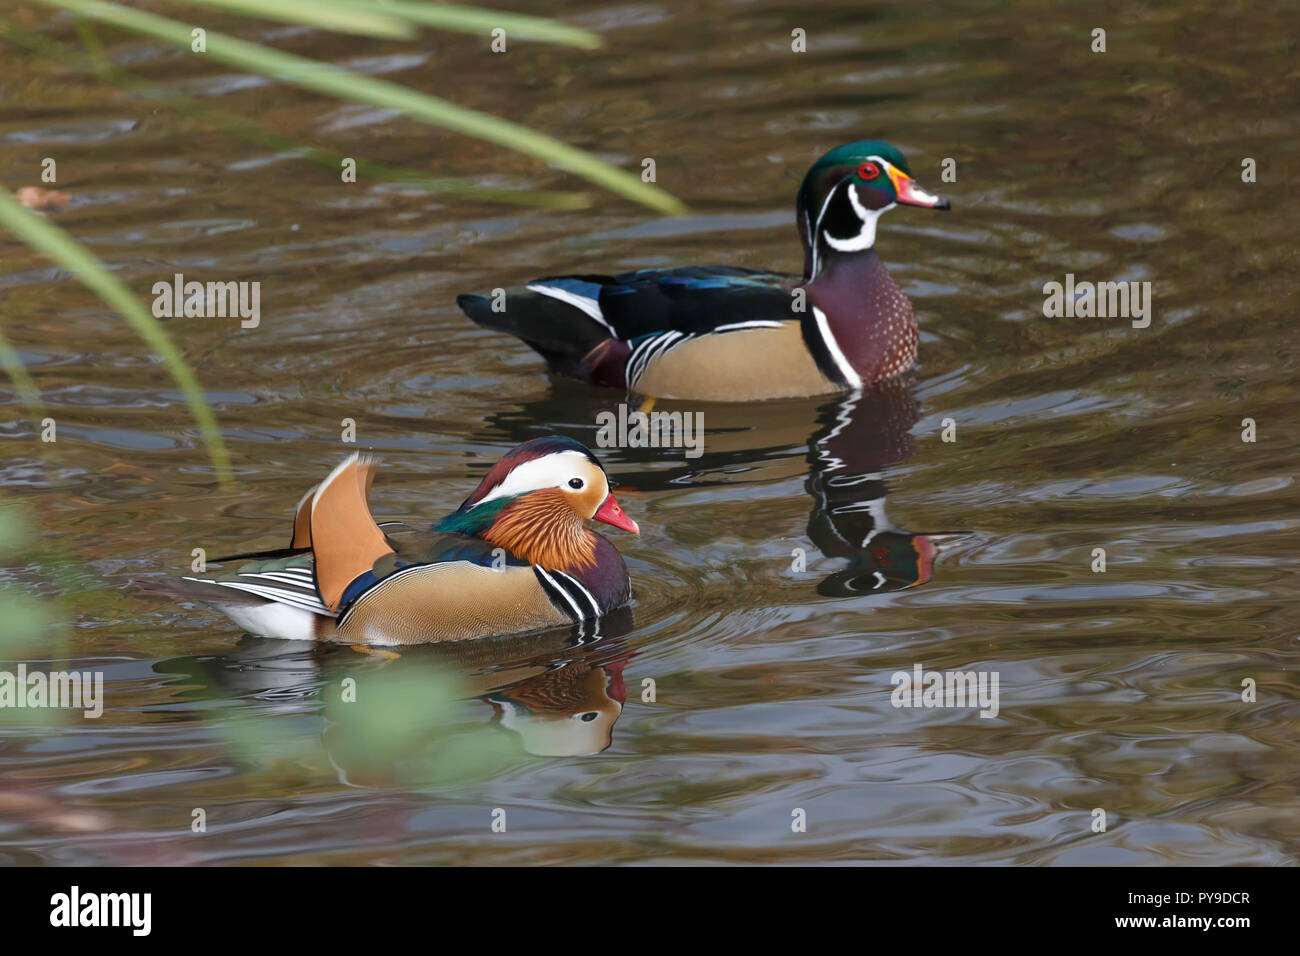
(1119, 690)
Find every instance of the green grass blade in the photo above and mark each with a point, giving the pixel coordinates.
(380, 17)
(93, 61)
(450, 16)
(348, 85)
(12, 363)
(53, 242)
(360, 20)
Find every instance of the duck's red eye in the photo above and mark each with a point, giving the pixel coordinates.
(868, 171)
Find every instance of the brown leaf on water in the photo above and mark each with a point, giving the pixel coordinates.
(123, 468)
(38, 808)
(34, 197)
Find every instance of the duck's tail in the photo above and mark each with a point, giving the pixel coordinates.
(560, 326)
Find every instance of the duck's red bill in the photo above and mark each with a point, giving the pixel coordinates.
(611, 513)
(910, 194)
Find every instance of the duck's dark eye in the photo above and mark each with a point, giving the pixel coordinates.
(589, 716)
(575, 484)
(868, 171)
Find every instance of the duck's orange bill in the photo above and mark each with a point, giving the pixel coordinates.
(611, 513)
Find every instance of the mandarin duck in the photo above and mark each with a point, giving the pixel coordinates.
(514, 557)
(720, 333)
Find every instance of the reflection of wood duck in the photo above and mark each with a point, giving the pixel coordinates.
(861, 435)
(853, 441)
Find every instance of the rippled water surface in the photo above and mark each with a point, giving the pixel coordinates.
(1120, 690)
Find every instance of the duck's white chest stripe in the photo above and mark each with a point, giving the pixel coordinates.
(580, 589)
(842, 364)
(554, 589)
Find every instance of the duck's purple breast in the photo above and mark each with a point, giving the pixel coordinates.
(870, 317)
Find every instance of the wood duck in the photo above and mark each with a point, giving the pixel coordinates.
(719, 333)
(514, 557)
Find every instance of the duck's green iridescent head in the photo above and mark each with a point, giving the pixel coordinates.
(844, 194)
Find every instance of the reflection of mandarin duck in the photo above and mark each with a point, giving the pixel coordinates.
(564, 712)
(514, 557)
(728, 334)
(862, 435)
(563, 709)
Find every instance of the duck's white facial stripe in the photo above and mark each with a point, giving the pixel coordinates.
(812, 236)
(550, 471)
(866, 238)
